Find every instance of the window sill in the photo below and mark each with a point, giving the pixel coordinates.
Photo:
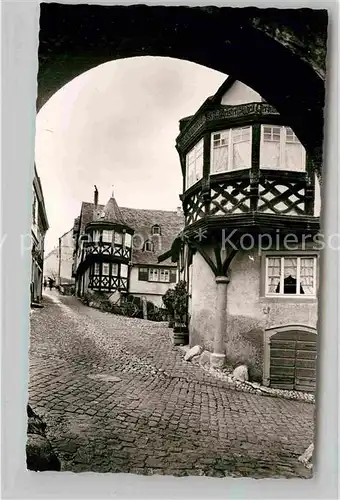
(154, 281)
(289, 299)
(230, 170)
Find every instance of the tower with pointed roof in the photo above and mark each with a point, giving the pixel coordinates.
(117, 250)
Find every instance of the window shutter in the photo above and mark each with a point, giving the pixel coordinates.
(173, 276)
(143, 274)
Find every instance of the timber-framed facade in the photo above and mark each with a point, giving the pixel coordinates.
(117, 248)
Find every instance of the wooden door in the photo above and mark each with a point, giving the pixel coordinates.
(293, 361)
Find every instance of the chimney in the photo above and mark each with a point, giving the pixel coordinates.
(95, 197)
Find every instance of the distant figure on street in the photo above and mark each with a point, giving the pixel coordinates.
(45, 284)
(50, 283)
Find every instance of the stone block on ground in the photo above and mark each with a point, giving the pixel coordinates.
(194, 351)
(307, 457)
(204, 359)
(241, 373)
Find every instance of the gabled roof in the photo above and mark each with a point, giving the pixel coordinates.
(141, 220)
(212, 100)
(226, 85)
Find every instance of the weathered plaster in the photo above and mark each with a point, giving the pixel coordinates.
(151, 290)
(248, 314)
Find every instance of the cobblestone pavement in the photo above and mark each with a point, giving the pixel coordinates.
(118, 397)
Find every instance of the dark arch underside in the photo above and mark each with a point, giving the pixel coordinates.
(241, 42)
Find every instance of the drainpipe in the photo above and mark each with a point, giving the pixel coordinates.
(218, 356)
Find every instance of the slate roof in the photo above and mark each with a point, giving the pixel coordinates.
(142, 220)
(111, 212)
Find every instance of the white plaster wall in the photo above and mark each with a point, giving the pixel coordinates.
(66, 257)
(239, 93)
(248, 314)
(153, 291)
(202, 304)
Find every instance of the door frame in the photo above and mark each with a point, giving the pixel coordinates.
(268, 333)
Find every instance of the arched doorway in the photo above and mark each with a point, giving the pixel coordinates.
(264, 48)
(289, 360)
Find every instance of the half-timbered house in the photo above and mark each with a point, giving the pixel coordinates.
(117, 250)
(251, 202)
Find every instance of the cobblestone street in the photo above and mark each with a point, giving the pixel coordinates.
(118, 397)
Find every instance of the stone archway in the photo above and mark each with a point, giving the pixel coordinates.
(279, 53)
(289, 357)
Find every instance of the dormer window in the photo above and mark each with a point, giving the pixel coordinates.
(148, 246)
(102, 214)
(156, 229)
(281, 149)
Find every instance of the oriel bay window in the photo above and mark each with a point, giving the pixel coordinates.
(291, 275)
(111, 236)
(281, 149)
(231, 150)
(194, 164)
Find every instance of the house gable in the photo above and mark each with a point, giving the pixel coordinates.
(239, 93)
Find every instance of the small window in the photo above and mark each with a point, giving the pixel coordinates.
(153, 274)
(96, 236)
(148, 246)
(114, 269)
(106, 269)
(271, 134)
(96, 269)
(118, 238)
(164, 275)
(107, 236)
(143, 274)
(291, 275)
(128, 240)
(156, 229)
(281, 149)
(194, 164)
(123, 270)
(231, 150)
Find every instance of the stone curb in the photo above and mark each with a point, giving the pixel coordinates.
(250, 387)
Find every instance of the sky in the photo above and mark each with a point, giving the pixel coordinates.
(115, 127)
